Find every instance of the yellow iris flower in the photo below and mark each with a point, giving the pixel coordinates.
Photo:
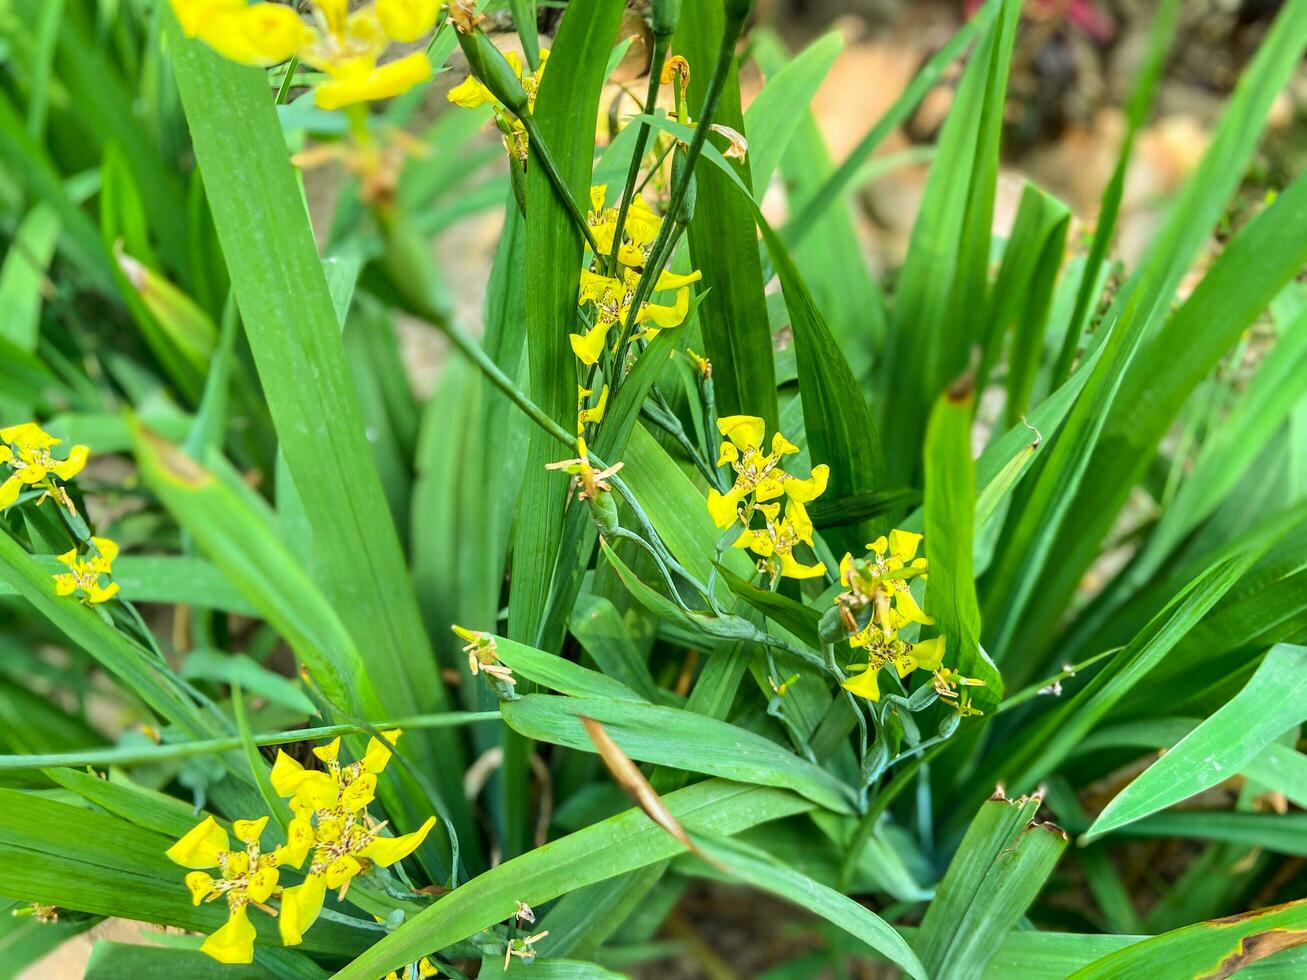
(332, 821)
(758, 474)
(346, 45)
(84, 572)
(25, 450)
(245, 877)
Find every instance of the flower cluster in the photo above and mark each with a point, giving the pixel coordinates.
(347, 45)
(331, 820)
(85, 571)
(25, 451)
(759, 478)
(610, 295)
(878, 604)
(472, 94)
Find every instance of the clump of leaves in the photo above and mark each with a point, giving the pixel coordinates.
(732, 540)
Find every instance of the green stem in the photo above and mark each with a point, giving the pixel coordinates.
(184, 750)
(1025, 694)
(641, 141)
(539, 149)
(662, 247)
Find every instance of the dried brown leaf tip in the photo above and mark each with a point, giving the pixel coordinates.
(631, 779)
(1256, 947)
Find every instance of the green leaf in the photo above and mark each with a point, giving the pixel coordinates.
(950, 510)
(761, 870)
(1273, 702)
(941, 288)
(138, 670)
(1219, 948)
(834, 186)
(239, 538)
(679, 739)
(776, 112)
(723, 246)
(1047, 523)
(565, 111)
(602, 633)
(999, 868)
(110, 961)
(294, 334)
(800, 619)
(622, 843)
(235, 669)
(561, 675)
(1160, 36)
(1023, 294)
(1044, 744)
(1230, 451)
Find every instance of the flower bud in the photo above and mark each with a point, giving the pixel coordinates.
(666, 15)
(492, 68)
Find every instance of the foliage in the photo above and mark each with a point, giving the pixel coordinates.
(694, 512)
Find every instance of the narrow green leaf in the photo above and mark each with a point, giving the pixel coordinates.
(950, 511)
(678, 739)
(723, 245)
(999, 868)
(761, 870)
(1273, 702)
(565, 111)
(1219, 948)
(775, 113)
(561, 675)
(294, 334)
(617, 845)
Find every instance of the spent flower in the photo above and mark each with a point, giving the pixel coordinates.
(472, 93)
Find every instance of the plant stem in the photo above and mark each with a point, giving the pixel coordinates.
(184, 750)
(662, 247)
(641, 141)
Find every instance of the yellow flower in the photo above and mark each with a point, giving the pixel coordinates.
(407, 20)
(864, 685)
(612, 299)
(245, 877)
(425, 969)
(778, 539)
(25, 450)
(84, 572)
(332, 820)
(345, 45)
(757, 473)
(884, 579)
(594, 413)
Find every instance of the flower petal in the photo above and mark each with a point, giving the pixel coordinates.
(201, 845)
(234, 942)
(386, 851)
(300, 906)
